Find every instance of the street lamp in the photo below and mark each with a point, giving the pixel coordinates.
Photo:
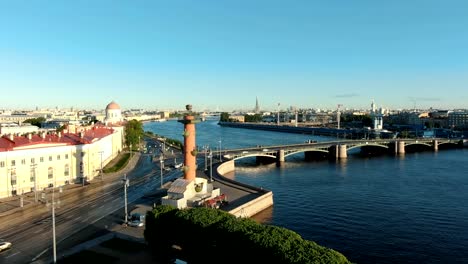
(161, 160)
(205, 148)
(219, 150)
(126, 183)
(211, 165)
(53, 204)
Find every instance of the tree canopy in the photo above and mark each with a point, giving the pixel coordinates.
(35, 121)
(133, 132)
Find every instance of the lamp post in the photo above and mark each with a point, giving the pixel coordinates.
(161, 160)
(54, 204)
(101, 152)
(205, 148)
(211, 165)
(126, 183)
(219, 150)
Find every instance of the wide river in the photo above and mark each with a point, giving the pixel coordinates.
(386, 209)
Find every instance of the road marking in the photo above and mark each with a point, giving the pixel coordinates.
(78, 218)
(101, 206)
(13, 254)
(37, 231)
(94, 205)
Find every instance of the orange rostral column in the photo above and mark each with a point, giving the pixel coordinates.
(190, 152)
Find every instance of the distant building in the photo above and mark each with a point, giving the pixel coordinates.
(377, 117)
(237, 118)
(458, 119)
(13, 128)
(36, 160)
(113, 113)
(257, 107)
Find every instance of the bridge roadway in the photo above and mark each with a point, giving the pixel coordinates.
(333, 149)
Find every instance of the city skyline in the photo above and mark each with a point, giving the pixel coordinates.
(221, 56)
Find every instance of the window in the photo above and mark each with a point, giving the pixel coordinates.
(50, 173)
(13, 163)
(23, 161)
(67, 170)
(33, 160)
(50, 158)
(41, 159)
(2, 164)
(66, 156)
(13, 177)
(58, 157)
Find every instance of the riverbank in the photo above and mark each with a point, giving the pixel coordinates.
(318, 131)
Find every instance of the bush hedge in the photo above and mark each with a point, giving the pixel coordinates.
(206, 235)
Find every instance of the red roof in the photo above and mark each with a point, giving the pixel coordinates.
(36, 141)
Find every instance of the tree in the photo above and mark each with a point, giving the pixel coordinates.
(253, 118)
(224, 117)
(35, 121)
(133, 132)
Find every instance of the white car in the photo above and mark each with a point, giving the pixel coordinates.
(4, 245)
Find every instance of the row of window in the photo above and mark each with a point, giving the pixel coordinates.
(33, 160)
(32, 178)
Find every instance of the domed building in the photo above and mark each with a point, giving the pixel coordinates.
(113, 113)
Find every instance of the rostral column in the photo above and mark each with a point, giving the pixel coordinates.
(190, 151)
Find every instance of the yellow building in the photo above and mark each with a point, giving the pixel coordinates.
(38, 161)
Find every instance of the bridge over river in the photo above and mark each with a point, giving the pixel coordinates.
(334, 149)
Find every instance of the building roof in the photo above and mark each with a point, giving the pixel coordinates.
(45, 140)
(113, 105)
(178, 186)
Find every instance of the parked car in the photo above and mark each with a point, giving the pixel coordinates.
(137, 220)
(4, 245)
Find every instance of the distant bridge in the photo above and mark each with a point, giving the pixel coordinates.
(331, 149)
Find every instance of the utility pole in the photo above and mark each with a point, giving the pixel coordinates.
(126, 183)
(53, 204)
(211, 165)
(205, 147)
(161, 160)
(220, 150)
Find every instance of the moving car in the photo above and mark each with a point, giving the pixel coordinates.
(4, 245)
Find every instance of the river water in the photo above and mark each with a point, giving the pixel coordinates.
(385, 209)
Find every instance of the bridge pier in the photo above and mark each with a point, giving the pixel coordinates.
(340, 151)
(435, 143)
(400, 147)
(280, 158)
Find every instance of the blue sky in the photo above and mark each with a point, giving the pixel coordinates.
(222, 54)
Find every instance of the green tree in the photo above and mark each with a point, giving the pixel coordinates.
(224, 117)
(133, 132)
(35, 121)
(253, 118)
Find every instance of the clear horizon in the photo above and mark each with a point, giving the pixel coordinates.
(222, 55)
